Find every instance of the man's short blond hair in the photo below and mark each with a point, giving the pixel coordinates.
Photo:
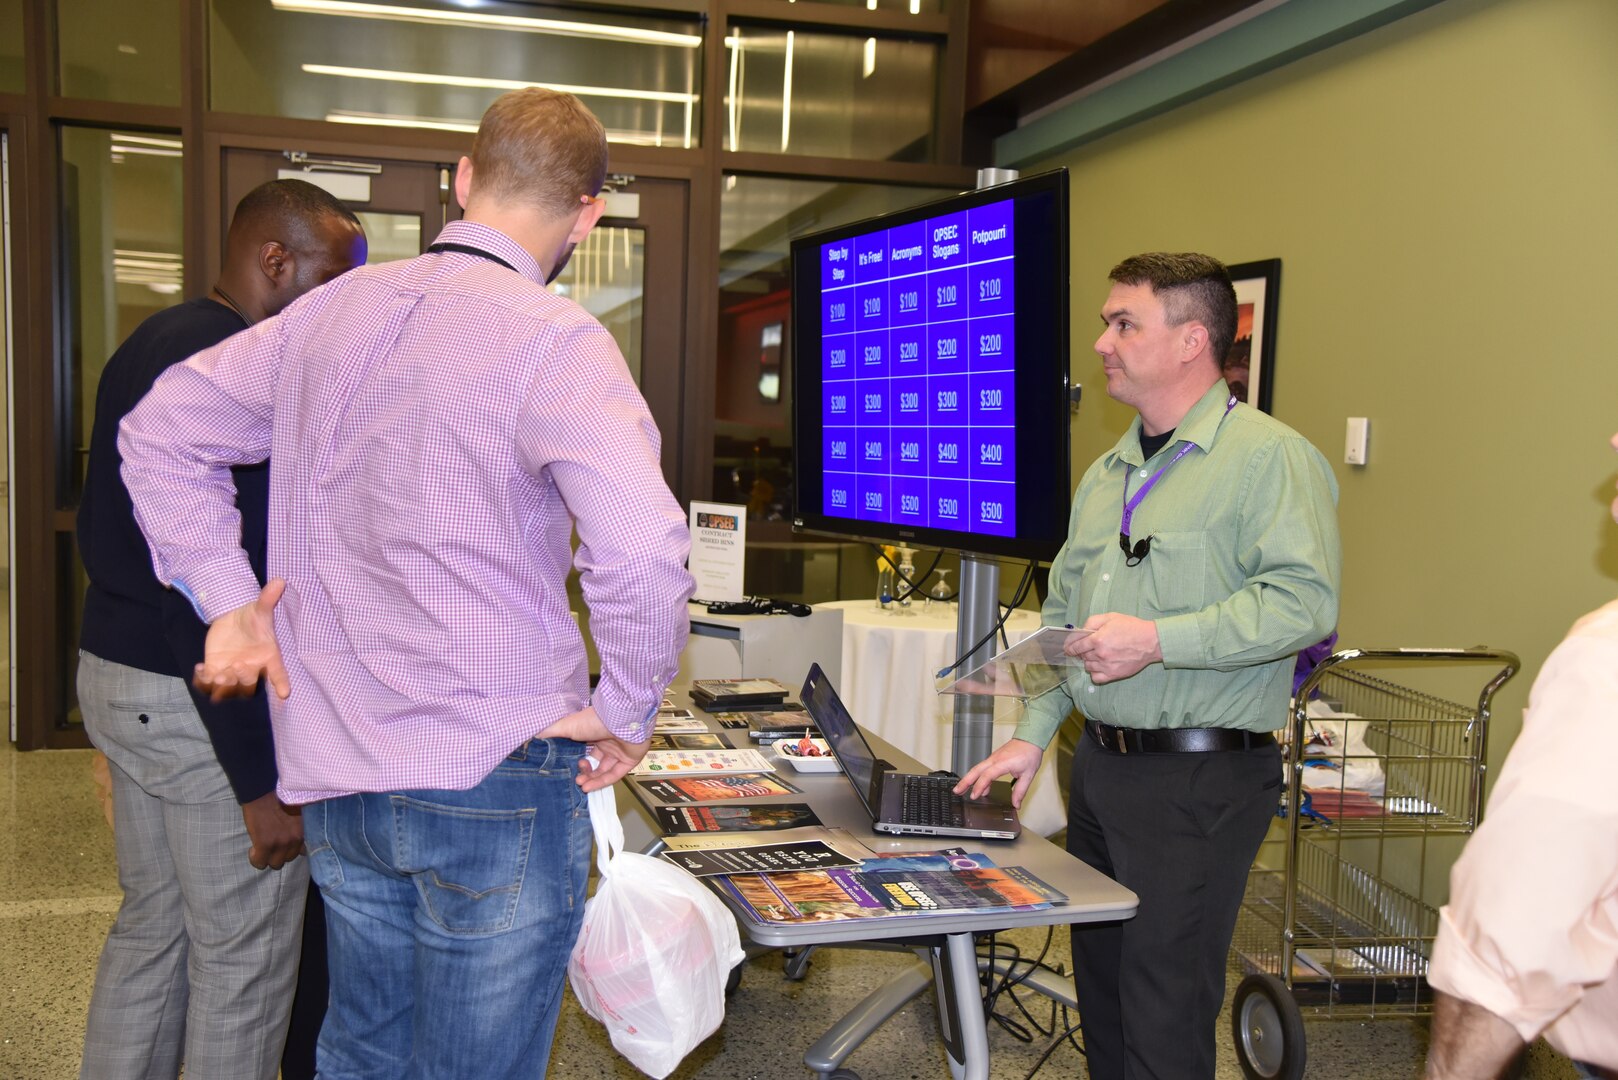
(541, 148)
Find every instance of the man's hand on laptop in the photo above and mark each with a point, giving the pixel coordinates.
(1016, 759)
(614, 757)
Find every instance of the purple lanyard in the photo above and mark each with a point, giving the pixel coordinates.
(1130, 505)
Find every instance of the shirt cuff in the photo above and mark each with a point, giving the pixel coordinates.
(1043, 716)
(1179, 639)
(220, 586)
(1458, 971)
(626, 718)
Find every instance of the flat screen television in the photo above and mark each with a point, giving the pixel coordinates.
(930, 374)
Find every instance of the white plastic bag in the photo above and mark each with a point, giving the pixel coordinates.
(1340, 739)
(655, 951)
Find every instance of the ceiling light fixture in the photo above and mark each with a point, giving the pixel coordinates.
(346, 116)
(146, 140)
(734, 41)
(383, 120)
(476, 20)
(423, 78)
(786, 98)
(150, 151)
(135, 253)
(171, 269)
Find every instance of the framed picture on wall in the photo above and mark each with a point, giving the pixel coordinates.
(1250, 367)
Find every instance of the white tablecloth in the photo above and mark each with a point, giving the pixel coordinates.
(889, 664)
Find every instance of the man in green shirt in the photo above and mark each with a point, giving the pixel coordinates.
(1202, 554)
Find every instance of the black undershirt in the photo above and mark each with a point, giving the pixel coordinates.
(1151, 444)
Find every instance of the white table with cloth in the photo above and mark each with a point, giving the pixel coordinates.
(889, 664)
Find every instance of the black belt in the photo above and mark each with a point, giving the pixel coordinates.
(1175, 740)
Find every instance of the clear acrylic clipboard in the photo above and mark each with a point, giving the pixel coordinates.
(1027, 669)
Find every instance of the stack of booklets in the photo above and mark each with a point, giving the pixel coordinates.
(949, 882)
(722, 695)
(769, 727)
(750, 720)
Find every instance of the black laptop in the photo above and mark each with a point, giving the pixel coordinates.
(910, 804)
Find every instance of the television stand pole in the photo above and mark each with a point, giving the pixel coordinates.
(979, 611)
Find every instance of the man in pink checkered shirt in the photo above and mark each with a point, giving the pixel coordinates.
(437, 429)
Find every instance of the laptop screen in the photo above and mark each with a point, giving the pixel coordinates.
(847, 742)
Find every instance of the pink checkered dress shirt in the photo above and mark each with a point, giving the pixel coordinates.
(438, 427)
(1531, 928)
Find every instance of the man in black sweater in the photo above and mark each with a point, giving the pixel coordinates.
(199, 966)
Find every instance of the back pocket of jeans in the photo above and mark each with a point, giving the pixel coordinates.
(468, 864)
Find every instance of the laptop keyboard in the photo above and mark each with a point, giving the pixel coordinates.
(930, 800)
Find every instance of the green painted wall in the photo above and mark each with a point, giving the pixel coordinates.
(1443, 192)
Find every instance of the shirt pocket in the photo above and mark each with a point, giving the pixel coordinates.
(1176, 575)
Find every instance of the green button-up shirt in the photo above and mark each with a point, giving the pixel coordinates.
(1243, 572)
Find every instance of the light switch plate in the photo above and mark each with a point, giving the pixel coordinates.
(1356, 444)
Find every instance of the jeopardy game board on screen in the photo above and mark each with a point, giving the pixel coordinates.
(916, 367)
(933, 376)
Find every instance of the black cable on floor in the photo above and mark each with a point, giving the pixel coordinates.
(996, 984)
(1066, 1036)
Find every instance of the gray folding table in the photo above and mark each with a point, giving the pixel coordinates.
(947, 941)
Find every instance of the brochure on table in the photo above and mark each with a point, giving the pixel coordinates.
(913, 885)
(702, 762)
(1031, 667)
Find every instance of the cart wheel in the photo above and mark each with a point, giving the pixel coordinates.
(734, 979)
(1268, 1030)
(843, 1074)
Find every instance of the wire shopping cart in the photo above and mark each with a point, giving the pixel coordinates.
(1379, 775)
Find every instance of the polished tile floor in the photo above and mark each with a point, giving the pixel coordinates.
(59, 891)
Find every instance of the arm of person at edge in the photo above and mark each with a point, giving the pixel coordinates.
(1468, 1041)
(1019, 758)
(1289, 546)
(201, 417)
(633, 540)
(1527, 931)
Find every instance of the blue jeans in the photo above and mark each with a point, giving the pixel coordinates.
(450, 919)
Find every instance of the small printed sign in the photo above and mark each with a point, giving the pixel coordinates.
(718, 547)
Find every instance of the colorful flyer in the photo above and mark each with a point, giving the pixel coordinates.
(694, 789)
(761, 817)
(686, 762)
